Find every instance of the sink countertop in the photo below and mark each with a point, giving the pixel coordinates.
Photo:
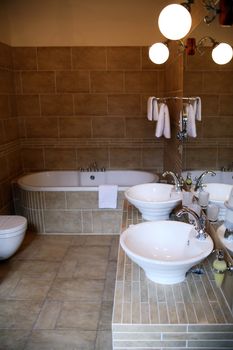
(157, 316)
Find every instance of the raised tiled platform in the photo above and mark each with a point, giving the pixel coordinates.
(188, 315)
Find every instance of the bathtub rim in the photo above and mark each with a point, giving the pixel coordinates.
(36, 188)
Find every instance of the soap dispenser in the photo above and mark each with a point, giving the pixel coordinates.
(220, 267)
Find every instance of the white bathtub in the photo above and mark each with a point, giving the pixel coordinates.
(66, 202)
(84, 181)
(225, 177)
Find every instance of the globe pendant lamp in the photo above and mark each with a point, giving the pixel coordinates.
(158, 53)
(222, 53)
(174, 21)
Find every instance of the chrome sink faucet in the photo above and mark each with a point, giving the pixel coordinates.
(178, 181)
(199, 185)
(199, 222)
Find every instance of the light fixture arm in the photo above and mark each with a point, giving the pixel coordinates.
(188, 4)
(211, 7)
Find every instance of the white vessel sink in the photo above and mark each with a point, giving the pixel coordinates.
(219, 193)
(165, 250)
(155, 201)
(228, 243)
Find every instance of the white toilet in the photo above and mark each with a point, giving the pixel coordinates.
(12, 232)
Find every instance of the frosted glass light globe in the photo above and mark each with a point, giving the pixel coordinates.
(174, 21)
(222, 53)
(158, 53)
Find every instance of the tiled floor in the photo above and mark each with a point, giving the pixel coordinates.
(57, 293)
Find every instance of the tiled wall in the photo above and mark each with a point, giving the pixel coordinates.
(10, 164)
(213, 148)
(80, 104)
(69, 212)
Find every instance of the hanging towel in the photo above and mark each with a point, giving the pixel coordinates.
(152, 108)
(197, 108)
(160, 123)
(108, 196)
(191, 122)
(167, 127)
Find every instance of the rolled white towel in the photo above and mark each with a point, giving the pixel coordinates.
(160, 123)
(197, 108)
(191, 122)
(167, 126)
(150, 108)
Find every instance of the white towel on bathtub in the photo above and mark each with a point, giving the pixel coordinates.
(108, 196)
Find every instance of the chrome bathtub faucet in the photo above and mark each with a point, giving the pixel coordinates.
(178, 180)
(199, 185)
(199, 222)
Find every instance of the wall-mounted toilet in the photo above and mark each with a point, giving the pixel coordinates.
(12, 232)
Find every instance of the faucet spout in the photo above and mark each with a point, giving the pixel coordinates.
(177, 181)
(199, 222)
(199, 184)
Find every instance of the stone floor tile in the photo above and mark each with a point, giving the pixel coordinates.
(81, 315)
(86, 254)
(18, 314)
(91, 270)
(39, 268)
(76, 289)
(8, 283)
(105, 320)
(103, 340)
(31, 289)
(68, 339)
(48, 316)
(98, 240)
(11, 339)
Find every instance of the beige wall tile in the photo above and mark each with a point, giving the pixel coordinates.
(224, 127)
(124, 104)
(82, 200)
(4, 168)
(6, 82)
(63, 221)
(90, 104)
(11, 129)
(74, 81)
(141, 82)
(139, 128)
(125, 158)
(38, 82)
(33, 158)
(41, 127)
(75, 127)
(108, 127)
(89, 57)
(55, 200)
(215, 82)
(24, 58)
(202, 158)
(5, 56)
(86, 156)
(152, 158)
(107, 221)
(59, 104)
(123, 58)
(54, 58)
(27, 105)
(193, 83)
(107, 81)
(226, 105)
(59, 158)
(14, 162)
(5, 110)
(210, 104)
(225, 157)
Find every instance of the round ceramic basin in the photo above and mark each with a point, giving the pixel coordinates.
(226, 242)
(155, 201)
(219, 193)
(165, 250)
